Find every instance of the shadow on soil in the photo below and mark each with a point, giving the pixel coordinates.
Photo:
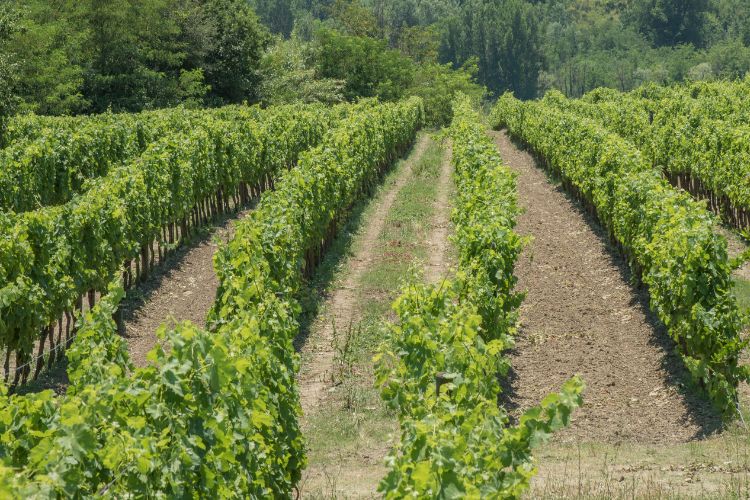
(138, 296)
(701, 411)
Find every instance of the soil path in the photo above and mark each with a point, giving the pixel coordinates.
(407, 224)
(181, 290)
(438, 244)
(341, 307)
(582, 316)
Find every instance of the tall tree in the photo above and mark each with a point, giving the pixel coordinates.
(289, 76)
(505, 36)
(354, 18)
(670, 22)
(367, 65)
(233, 62)
(117, 47)
(8, 81)
(277, 15)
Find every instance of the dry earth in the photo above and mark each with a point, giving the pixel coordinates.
(183, 289)
(582, 316)
(437, 265)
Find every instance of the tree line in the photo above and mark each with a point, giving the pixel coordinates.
(87, 56)
(530, 46)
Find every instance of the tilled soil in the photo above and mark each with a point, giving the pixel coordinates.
(582, 316)
(183, 290)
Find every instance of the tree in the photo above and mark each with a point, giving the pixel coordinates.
(729, 59)
(732, 19)
(670, 22)
(233, 60)
(8, 100)
(123, 38)
(49, 80)
(354, 18)
(438, 84)
(289, 77)
(277, 15)
(421, 43)
(505, 36)
(367, 65)
(519, 52)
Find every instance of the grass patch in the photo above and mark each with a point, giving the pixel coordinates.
(348, 438)
(742, 292)
(402, 242)
(716, 467)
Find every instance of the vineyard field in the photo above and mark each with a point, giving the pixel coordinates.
(397, 311)
(359, 249)
(697, 135)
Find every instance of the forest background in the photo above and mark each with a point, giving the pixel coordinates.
(63, 57)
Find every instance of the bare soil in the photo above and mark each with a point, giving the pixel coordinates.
(582, 316)
(183, 289)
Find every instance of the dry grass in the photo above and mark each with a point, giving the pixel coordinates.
(717, 467)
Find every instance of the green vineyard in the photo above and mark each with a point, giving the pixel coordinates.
(358, 249)
(217, 414)
(216, 410)
(667, 236)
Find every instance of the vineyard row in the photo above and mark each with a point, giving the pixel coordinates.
(217, 415)
(439, 366)
(699, 149)
(57, 255)
(667, 237)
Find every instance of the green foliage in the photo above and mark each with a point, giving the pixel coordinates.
(61, 252)
(369, 69)
(44, 48)
(8, 75)
(129, 55)
(191, 88)
(217, 415)
(670, 22)
(90, 56)
(439, 365)
(277, 15)
(697, 132)
(367, 65)
(233, 60)
(288, 76)
(420, 43)
(49, 160)
(214, 416)
(354, 18)
(122, 49)
(505, 36)
(666, 235)
(438, 85)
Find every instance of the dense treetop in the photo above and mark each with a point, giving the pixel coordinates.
(68, 57)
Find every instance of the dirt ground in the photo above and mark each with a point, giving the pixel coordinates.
(183, 289)
(402, 235)
(582, 316)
